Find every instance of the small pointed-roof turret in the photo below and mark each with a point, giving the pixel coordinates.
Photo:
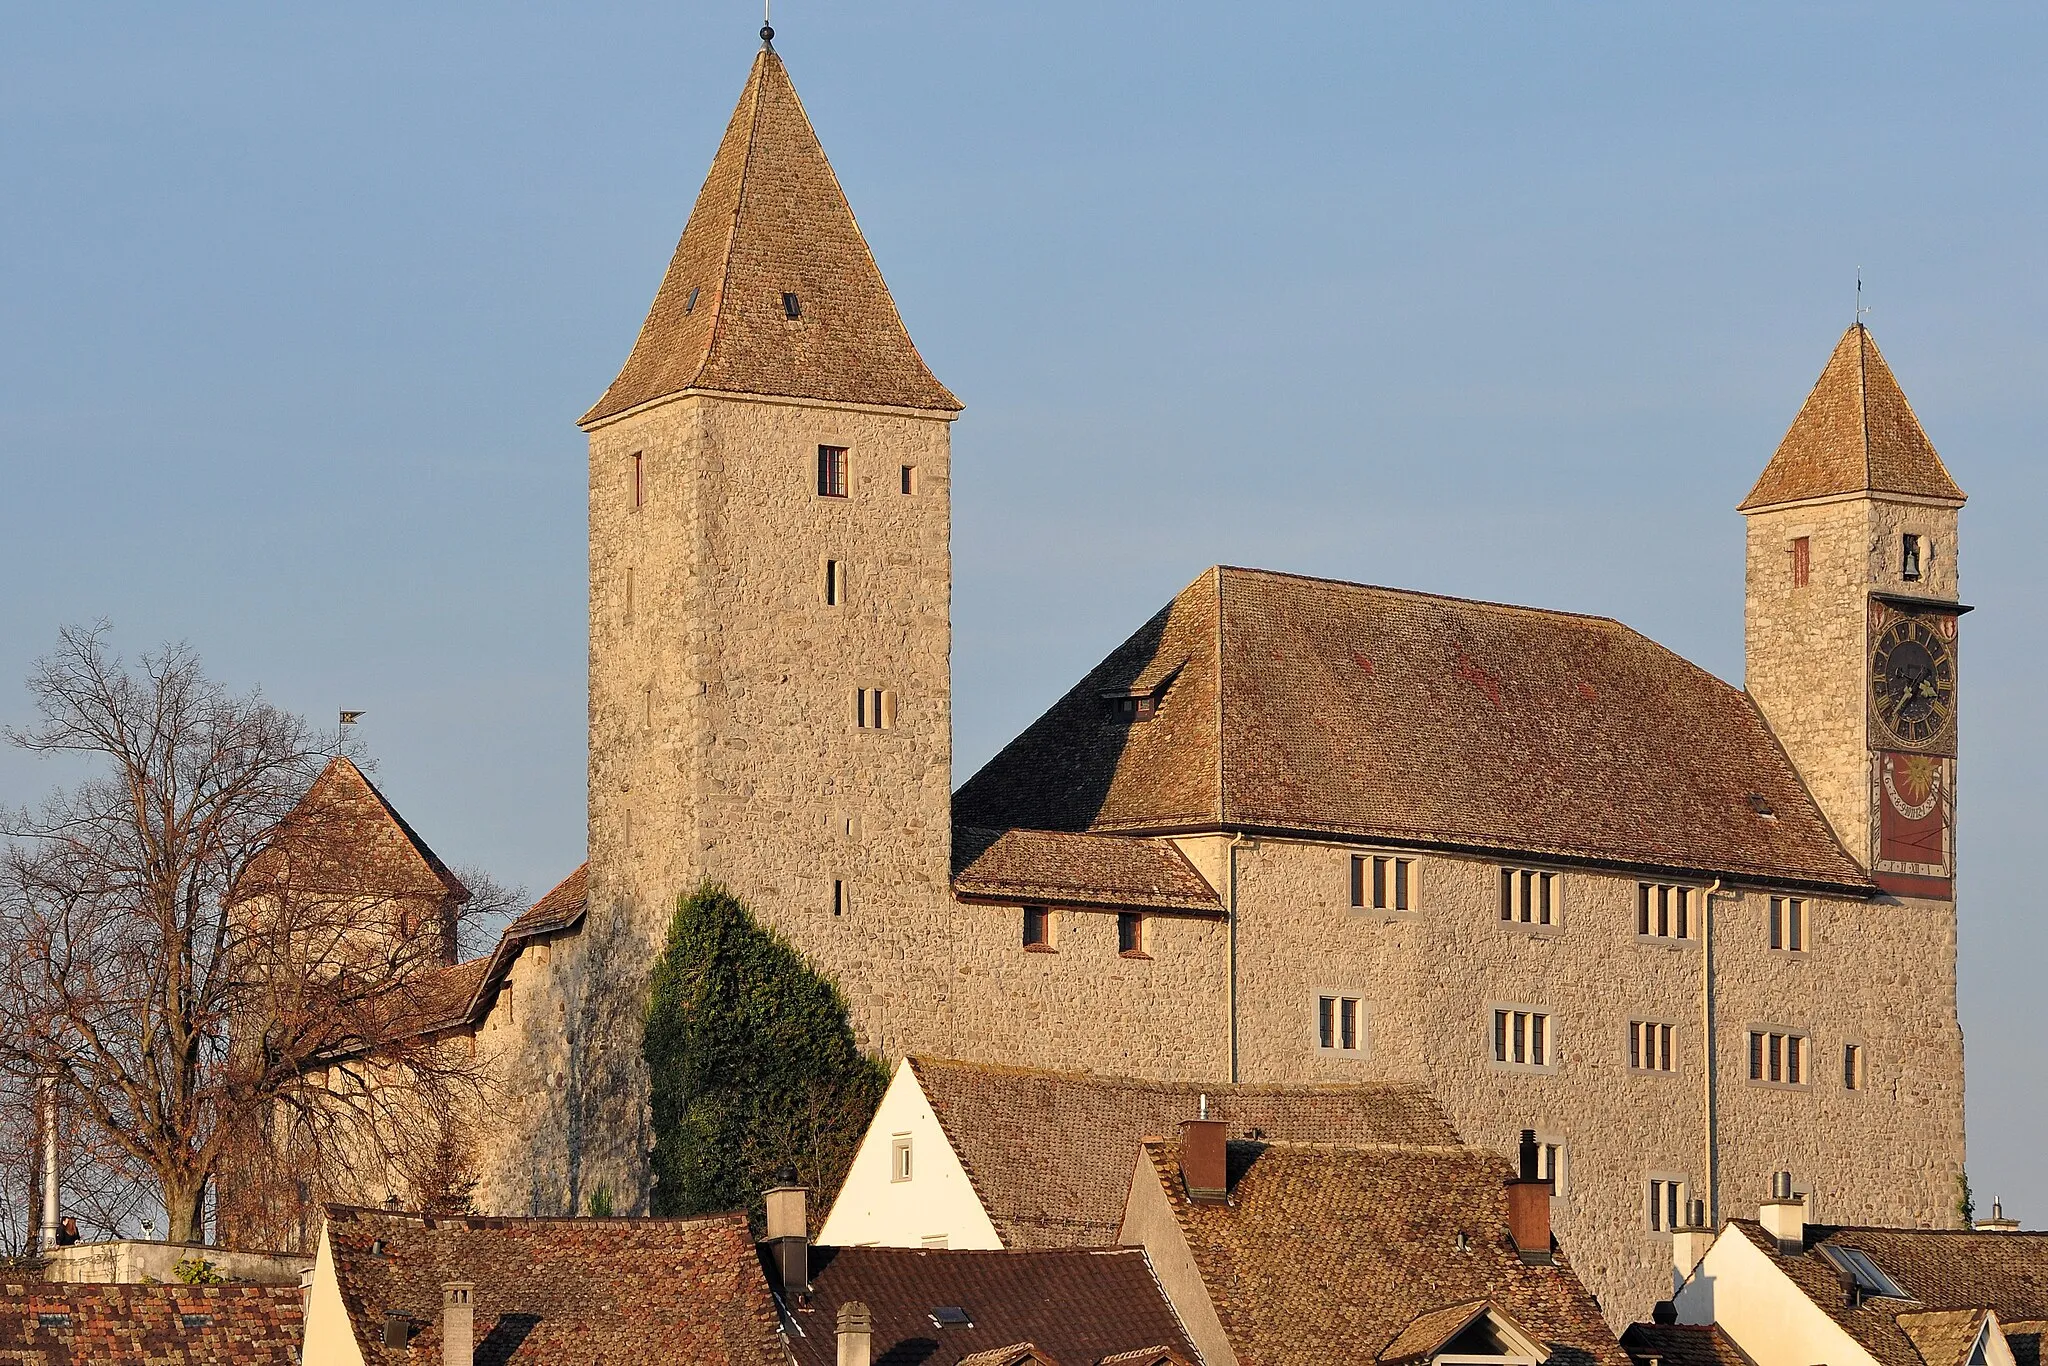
(772, 289)
(1855, 434)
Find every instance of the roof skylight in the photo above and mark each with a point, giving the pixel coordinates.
(1857, 1266)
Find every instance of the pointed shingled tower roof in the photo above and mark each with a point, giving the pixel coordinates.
(772, 220)
(1855, 434)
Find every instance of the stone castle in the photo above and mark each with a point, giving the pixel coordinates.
(1292, 830)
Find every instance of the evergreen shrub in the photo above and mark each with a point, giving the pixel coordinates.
(753, 1062)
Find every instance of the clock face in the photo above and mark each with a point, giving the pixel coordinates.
(1913, 682)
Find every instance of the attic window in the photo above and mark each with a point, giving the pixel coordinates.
(1856, 1264)
(53, 1320)
(397, 1329)
(792, 307)
(951, 1316)
(690, 304)
(1131, 708)
(196, 1320)
(1761, 807)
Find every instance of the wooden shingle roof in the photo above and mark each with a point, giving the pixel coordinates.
(1855, 433)
(772, 220)
(1310, 706)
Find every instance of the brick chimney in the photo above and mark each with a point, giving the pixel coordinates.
(1529, 1207)
(1204, 1165)
(1689, 1242)
(789, 1232)
(1784, 1215)
(856, 1334)
(458, 1324)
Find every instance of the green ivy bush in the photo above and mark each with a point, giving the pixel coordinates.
(753, 1062)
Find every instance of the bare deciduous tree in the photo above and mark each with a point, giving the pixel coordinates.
(196, 952)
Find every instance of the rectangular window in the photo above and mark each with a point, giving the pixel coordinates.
(1650, 1047)
(1522, 1038)
(1802, 561)
(831, 471)
(1381, 882)
(899, 1157)
(909, 480)
(1130, 934)
(1778, 1059)
(838, 896)
(792, 307)
(1038, 929)
(1852, 1067)
(835, 583)
(1666, 1204)
(1550, 1163)
(639, 486)
(1664, 911)
(1529, 896)
(874, 708)
(1340, 1024)
(1788, 923)
(1909, 557)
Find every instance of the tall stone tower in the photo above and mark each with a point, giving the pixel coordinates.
(1851, 618)
(770, 617)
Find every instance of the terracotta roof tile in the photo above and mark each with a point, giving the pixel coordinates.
(1311, 706)
(1070, 1193)
(149, 1325)
(565, 1292)
(1076, 1305)
(772, 219)
(1682, 1344)
(1855, 433)
(1328, 1253)
(1062, 868)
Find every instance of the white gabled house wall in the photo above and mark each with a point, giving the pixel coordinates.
(330, 1337)
(1738, 1286)
(874, 1209)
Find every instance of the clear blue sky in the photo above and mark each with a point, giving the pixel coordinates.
(298, 305)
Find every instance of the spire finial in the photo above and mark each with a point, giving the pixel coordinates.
(1860, 309)
(767, 29)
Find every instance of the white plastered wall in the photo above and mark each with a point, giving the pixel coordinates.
(1739, 1287)
(938, 1201)
(330, 1337)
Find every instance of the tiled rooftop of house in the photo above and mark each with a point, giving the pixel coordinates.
(1681, 1344)
(941, 1308)
(1372, 1253)
(47, 1324)
(1049, 1154)
(563, 1292)
(1060, 868)
(1308, 706)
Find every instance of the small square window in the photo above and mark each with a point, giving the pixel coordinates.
(1038, 929)
(1778, 1059)
(1523, 1037)
(1802, 561)
(1664, 911)
(909, 480)
(1650, 1046)
(1130, 935)
(831, 471)
(1340, 1024)
(792, 307)
(1529, 896)
(899, 1157)
(874, 708)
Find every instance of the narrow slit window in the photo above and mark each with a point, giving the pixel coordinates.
(639, 482)
(835, 583)
(1852, 1067)
(1130, 934)
(909, 480)
(1802, 561)
(831, 471)
(838, 896)
(1038, 929)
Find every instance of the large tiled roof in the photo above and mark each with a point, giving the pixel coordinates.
(1330, 1253)
(1050, 1153)
(1942, 1270)
(564, 1292)
(1076, 1306)
(772, 219)
(149, 1325)
(1855, 433)
(1682, 1344)
(1290, 704)
(1062, 868)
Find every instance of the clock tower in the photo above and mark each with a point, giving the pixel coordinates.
(1852, 612)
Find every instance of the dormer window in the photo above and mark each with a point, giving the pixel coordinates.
(1909, 557)
(1132, 708)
